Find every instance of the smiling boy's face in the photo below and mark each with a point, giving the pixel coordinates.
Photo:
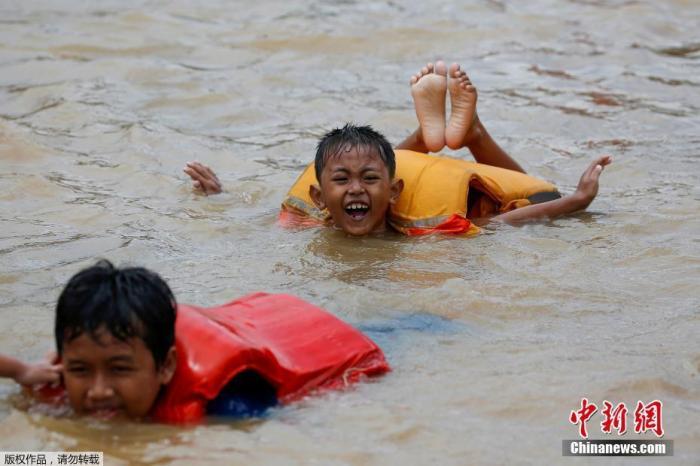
(357, 190)
(109, 378)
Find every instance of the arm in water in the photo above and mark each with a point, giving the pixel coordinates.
(30, 374)
(584, 195)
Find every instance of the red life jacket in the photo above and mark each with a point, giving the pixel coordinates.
(294, 345)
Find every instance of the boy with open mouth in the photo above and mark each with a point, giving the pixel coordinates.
(355, 169)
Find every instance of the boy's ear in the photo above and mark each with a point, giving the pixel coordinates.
(317, 196)
(167, 369)
(396, 190)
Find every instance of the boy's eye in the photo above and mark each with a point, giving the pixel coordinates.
(121, 369)
(77, 370)
(339, 179)
(371, 177)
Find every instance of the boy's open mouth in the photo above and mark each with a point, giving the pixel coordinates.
(357, 210)
(105, 414)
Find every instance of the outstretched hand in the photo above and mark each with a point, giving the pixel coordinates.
(44, 372)
(203, 178)
(585, 193)
(587, 188)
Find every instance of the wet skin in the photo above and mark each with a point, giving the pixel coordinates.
(357, 190)
(108, 378)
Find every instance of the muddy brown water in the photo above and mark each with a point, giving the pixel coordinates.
(493, 340)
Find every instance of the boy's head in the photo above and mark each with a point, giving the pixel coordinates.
(115, 334)
(355, 168)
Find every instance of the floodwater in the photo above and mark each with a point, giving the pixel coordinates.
(493, 340)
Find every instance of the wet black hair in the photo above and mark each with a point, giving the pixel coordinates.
(128, 302)
(350, 136)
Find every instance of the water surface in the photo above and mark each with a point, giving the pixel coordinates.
(101, 104)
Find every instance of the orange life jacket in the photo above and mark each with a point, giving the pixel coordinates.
(294, 345)
(440, 195)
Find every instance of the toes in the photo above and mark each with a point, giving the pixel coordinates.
(464, 82)
(462, 76)
(440, 68)
(458, 74)
(429, 68)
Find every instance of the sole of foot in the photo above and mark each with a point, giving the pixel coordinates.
(463, 98)
(429, 88)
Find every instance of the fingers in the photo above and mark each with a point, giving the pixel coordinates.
(197, 178)
(55, 373)
(55, 367)
(194, 174)
(199, 170)
(211, 173)
(588, 184)
(603, 160)
(596, 166)
(203, 177)
(40, 373)
(597, 170)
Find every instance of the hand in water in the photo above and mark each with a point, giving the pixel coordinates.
(587, 188)
(203, 178)
(48, 371)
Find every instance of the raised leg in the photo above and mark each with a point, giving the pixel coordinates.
(465, 128)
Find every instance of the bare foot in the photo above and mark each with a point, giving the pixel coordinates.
(463, 102)
(428, 89)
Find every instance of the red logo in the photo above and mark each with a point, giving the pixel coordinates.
(646, 417)
(582, 416)
(614, 418)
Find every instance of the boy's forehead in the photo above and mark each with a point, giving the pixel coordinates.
(347, 153)
(103, 338)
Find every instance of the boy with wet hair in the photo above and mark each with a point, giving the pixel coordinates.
(355, 167)
(128, 351)
(115, 335)
(336, 141)
(356, 177)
